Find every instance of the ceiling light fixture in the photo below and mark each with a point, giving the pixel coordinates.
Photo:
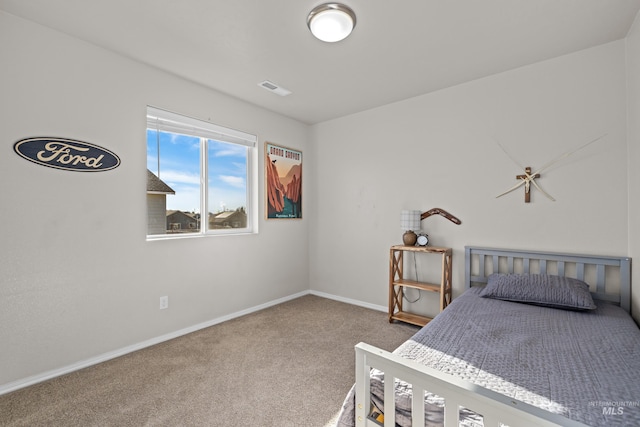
(331, 22)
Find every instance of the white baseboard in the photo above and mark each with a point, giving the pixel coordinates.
(34, 379)
(350, 301)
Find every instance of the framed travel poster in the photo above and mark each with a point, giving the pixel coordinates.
(283, 182)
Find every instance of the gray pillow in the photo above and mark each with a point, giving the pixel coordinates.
(540, 289)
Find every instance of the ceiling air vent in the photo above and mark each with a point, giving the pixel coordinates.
(272, 87)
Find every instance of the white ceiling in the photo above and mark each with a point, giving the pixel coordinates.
(399, 49)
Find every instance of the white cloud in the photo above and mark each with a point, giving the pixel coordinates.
(224, 150)
(179, 177)
(234, 181)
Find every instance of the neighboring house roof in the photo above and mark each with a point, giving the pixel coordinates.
(225, 214)
(156, 186)
(176, 214)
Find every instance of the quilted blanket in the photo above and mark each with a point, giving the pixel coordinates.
(582, 365)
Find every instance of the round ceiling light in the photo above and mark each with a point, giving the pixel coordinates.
(331, 22)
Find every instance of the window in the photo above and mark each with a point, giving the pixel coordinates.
(199, 177)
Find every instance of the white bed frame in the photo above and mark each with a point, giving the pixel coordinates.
(610, 280)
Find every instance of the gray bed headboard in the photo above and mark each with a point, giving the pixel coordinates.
(608, 277)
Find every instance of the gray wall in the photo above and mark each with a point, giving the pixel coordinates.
(79, 279)
(440, 150)
(633, 136)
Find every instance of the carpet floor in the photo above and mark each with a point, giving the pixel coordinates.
(287, 365)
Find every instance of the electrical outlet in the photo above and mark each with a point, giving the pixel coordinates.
(164, 302)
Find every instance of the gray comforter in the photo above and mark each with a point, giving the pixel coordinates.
(582, 365)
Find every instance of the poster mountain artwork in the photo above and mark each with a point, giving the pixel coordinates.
(283, 181)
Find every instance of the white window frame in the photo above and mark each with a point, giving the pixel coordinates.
(167, 121)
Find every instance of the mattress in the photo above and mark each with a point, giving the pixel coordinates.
(582, 365)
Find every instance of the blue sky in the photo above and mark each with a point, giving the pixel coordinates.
(180, 169)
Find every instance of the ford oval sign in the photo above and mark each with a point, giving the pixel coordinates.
(67, 154)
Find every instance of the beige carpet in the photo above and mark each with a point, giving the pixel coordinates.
(288, 365)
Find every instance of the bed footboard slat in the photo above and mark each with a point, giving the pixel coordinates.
(417, 406)
(560, 268)
(625, 278)
(580, 271)
(490, 421)
(600, 287)
(363, 389)
(451, 415)
(390, 407)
